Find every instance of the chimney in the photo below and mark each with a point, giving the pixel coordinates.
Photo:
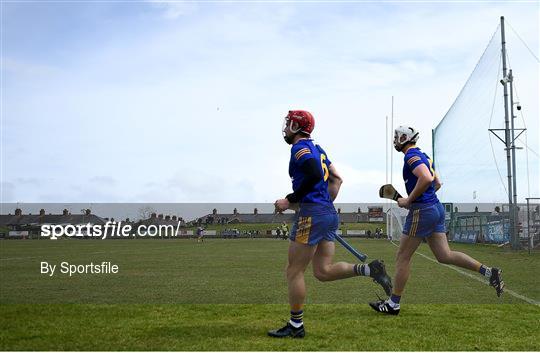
(42, 212)
(235, 211)
(160, 216)
(88, 212)
(174, 218)
(214, 211)
(167, 218)
(255, 211)
(127, 220)
(65, 212)
(18, 212)
(153, 215)
(339, 210)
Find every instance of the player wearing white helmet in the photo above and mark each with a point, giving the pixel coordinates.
(424, 221)
(404, 135)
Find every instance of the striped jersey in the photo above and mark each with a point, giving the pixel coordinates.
(413, 158)
(316, 201)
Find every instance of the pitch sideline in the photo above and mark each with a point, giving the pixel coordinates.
(509, 291)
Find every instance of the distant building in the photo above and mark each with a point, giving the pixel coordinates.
(25, 225)
(159, 219)
(260, 218)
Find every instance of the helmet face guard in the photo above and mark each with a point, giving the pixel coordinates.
(290, 125)
(398, 143)
(290, 128)
(296, 123)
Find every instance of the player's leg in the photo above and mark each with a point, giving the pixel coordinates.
(409, 242)
(299, 257)
(440, 248)
(439, 244)
(407, 247)
(325, 269)
(323, 232)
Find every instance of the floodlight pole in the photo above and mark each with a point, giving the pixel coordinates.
(514, 173)
(510, 164)
(513, 138)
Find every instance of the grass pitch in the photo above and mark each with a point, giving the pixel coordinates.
(225, 295)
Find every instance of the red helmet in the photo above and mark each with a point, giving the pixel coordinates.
(300, 121)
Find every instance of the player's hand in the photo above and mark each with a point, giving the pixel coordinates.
(404, 202)
(282, 205)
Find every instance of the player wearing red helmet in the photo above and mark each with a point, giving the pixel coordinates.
(297, 122)
(316, 184)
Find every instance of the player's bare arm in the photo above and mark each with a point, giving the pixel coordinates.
(424, 181)
(437, 182)
(334, 182)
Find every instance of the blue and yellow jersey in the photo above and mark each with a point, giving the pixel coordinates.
(413, 158)
(317, 201)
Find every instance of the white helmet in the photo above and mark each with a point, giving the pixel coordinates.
(404, 135)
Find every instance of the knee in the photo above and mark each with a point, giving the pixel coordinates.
(321, 274)
(403, 257)
(444, 258)
(293, 271)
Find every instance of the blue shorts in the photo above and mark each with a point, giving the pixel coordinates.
(312, 229)
(423, 220)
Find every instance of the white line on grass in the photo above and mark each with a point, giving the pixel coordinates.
(479, 279)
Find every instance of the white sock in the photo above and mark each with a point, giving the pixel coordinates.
(488, 272)
(392, 304)
(365, 269)
(296, 324)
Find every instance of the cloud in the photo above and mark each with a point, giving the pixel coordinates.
(29, 181)
(28, 69)
(174, 10)
(136, 114)
(103, 180)
(8, 191)
(359, 185)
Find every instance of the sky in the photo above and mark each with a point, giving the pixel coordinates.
(184, 101)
